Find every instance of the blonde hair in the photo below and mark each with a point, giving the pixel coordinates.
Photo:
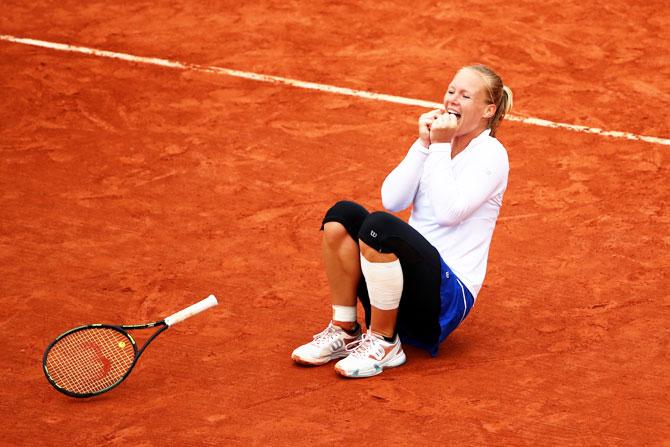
(499, 94)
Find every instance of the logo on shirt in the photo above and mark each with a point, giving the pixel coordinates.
(372, 233)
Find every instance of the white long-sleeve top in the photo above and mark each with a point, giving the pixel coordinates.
(455, 201)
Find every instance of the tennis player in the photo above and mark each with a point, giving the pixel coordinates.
(418, 281)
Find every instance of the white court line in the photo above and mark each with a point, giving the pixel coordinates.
(321, 87)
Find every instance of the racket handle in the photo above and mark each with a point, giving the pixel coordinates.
(191, 310)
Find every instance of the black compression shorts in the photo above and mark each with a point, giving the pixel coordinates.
(419, 309)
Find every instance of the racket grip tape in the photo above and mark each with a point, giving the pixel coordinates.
(191, 310)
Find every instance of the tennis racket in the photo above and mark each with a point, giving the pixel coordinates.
(90, 360)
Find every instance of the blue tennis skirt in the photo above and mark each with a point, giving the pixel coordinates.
(456, 301)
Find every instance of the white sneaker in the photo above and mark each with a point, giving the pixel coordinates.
(370, 355)
(329, 344)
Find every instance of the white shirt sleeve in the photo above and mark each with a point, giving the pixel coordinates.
(400, 186)
(455, 199)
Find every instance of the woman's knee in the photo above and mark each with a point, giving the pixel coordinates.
(376, 227)
(334, 233)
(349, 215)
(388, 234)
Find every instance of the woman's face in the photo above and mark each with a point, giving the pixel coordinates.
(467, 97)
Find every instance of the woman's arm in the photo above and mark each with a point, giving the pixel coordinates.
(455, 199)
(400, 186)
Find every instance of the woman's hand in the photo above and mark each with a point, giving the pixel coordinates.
(443, 128)
(425, 122)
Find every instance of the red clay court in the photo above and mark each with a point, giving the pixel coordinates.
(129, 190)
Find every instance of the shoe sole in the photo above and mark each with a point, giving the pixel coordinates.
(399, 359)
(323, 361)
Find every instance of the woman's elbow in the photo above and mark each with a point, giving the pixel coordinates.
(393, 201)
(393, 204)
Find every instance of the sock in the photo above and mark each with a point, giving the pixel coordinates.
(353, 330)
(384, 337)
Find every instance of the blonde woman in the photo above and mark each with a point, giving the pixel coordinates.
(418, 280)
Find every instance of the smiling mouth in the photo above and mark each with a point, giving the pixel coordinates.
(456, 114)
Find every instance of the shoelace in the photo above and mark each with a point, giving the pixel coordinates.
(326, 335)
(363, 346)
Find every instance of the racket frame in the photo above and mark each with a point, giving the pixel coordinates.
(163, 324)
(123, 329)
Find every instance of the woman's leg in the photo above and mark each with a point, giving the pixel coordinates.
(342, 261)
(385, 238)
(341, 255)
(383, 320)
(343, 270)
(402, 272)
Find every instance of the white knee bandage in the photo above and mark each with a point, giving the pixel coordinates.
(385, 281)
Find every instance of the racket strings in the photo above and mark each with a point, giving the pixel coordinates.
(90, 360)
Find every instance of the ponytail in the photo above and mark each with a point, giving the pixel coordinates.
(502, 108)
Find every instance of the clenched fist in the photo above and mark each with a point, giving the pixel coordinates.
(443, 128)
(425, 122)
